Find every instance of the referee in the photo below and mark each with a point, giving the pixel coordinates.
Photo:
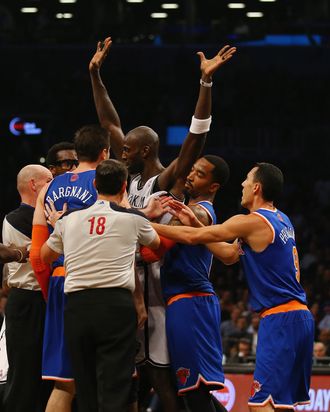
(100, 320)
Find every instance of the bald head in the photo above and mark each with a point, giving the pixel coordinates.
(30, 181)
(144, 136)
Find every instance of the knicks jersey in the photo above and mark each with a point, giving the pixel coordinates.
(186, 268)
(138, 194)
(273, 275)
(74, 189)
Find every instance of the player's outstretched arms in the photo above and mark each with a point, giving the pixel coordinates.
(107, 114)
(228, 253)
(200, 125)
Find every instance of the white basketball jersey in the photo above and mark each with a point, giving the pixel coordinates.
(137, 195)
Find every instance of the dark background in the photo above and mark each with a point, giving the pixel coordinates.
(270, 103)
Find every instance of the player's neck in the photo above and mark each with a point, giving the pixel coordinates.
(111, 198)
(261, 204)
(151, 168)
(201, 198)
(84, 166)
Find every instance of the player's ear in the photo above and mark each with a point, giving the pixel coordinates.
(94, 184)
(145, 151)
(124, 186)
(214, 187)
(256, 188)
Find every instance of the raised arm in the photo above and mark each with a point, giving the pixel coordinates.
(106, 111)
(195, 140)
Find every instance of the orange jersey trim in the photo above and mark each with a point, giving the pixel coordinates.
(286, 307)
(186, 295)
(59, 271)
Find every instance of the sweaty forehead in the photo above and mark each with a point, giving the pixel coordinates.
(252, 172)
(203, 165)
(66, 154)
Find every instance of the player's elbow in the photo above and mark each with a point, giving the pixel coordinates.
(155, 243)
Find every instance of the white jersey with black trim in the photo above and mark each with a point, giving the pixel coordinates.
(99, 245)
(138, 194)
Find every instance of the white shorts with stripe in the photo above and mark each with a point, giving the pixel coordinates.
(152, 338)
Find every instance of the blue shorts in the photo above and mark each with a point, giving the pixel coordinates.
(283, 359)
(56, 364)
(194, 342)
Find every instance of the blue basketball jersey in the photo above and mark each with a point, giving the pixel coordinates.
(74, 189)
(186, 268)
(273, 274)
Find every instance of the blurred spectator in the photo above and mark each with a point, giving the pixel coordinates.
(324, 337)
(325, 321)
(253, 331)
(228, 327)
(240, 351)
(319, 350)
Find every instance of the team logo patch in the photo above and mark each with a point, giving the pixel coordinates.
(256, 387)
(279, 217)
(74, 177)
(182, 375)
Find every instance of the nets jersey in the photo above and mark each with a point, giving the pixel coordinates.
(273, 274)
(186, 268)
(137, 194)
(74, 189)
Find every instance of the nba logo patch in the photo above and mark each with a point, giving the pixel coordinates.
(256, 387)
(74, 177)
(182, 375)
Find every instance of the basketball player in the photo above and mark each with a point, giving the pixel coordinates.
(61, 158)
(192, 311)
(99, 246)
(270, 261)
(76, 190)
(139, 150)
(25, 309)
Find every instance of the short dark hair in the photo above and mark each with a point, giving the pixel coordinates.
(110, 176)
(51, 157)
(89, 142)
(271, 179)
(221, 171)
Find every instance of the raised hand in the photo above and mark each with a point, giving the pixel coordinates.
(157, 206)
(101, 53)
(209, 66)
(52, 215)
(183, 213)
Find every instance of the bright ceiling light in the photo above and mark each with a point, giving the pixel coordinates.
(169, 6)
(158, 15)
(268, 1)
(68, 1)
(29, 9)
(236, 5)
(255, 14)
(134, 1)
(64, 15)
